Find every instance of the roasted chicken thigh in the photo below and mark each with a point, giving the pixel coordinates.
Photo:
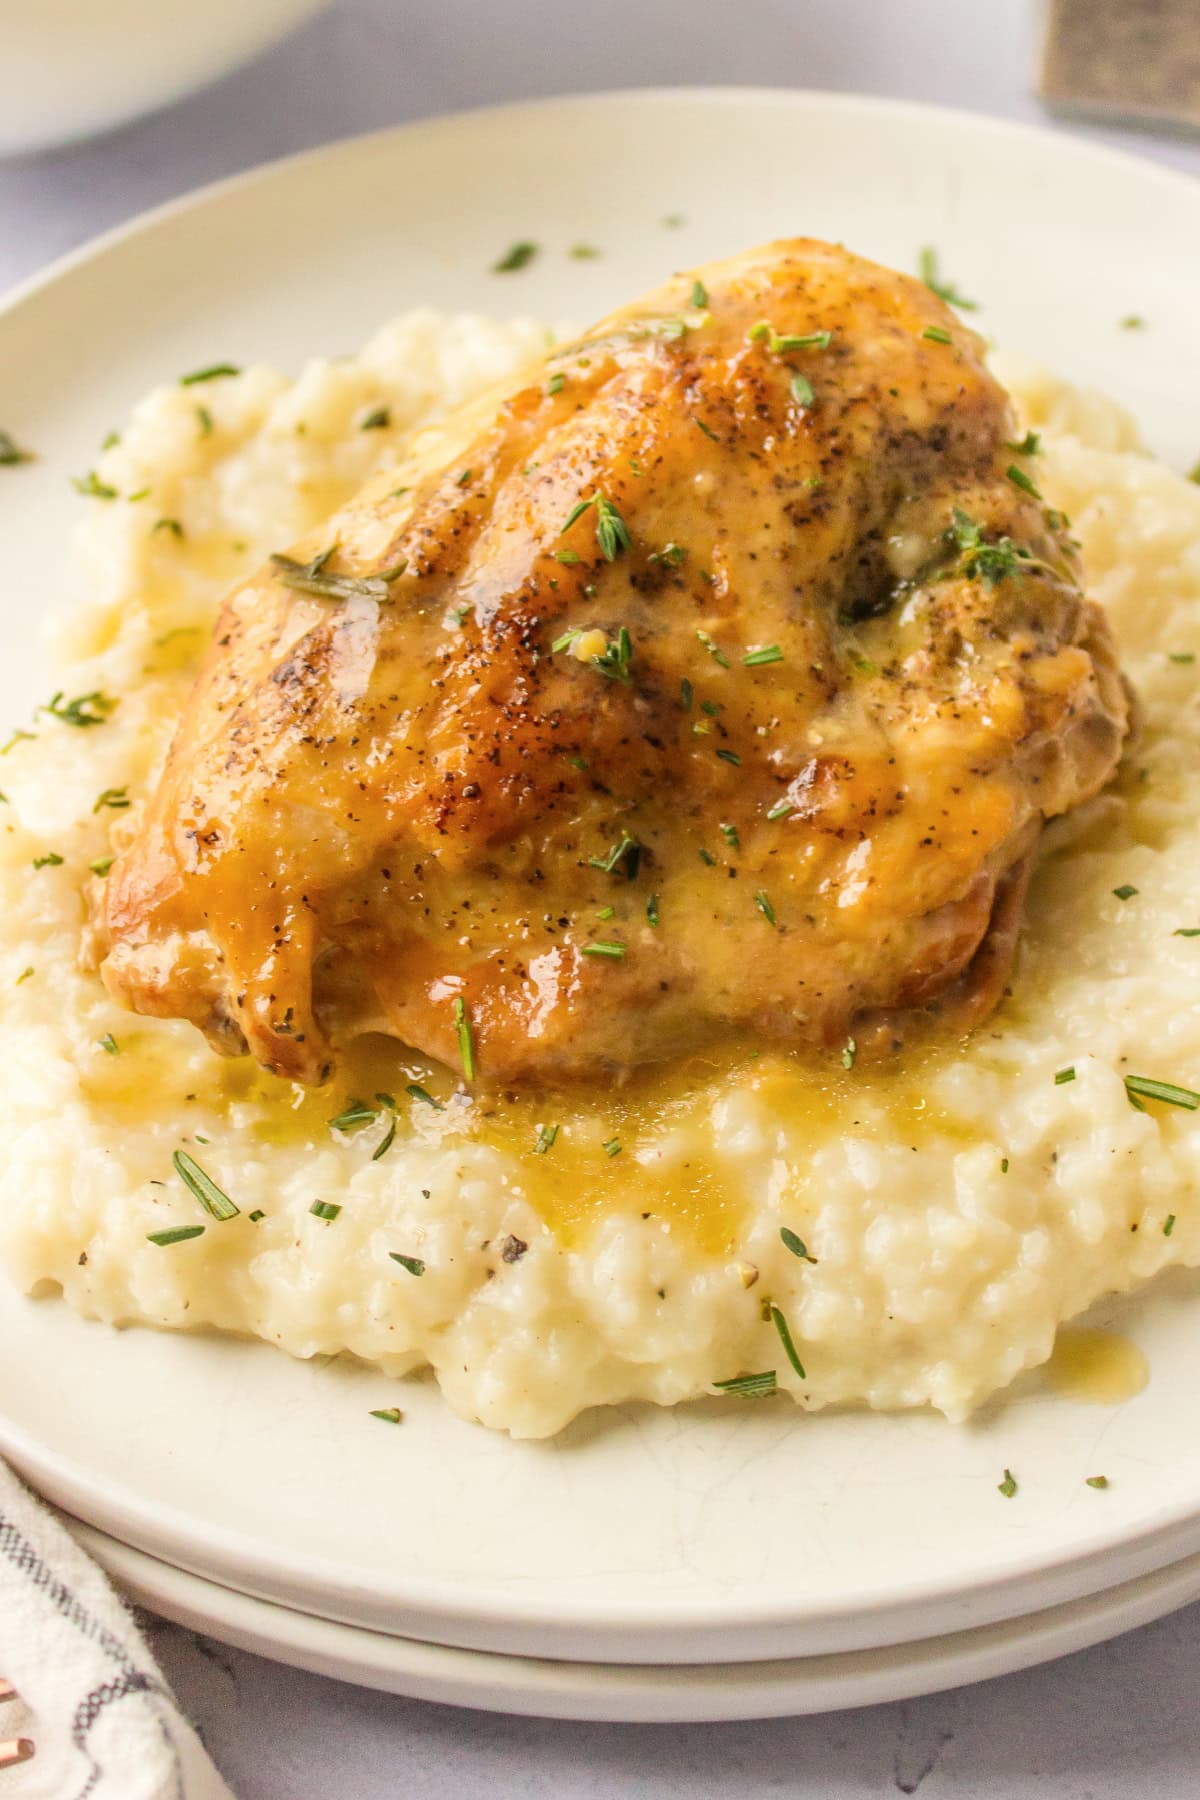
(718, 677)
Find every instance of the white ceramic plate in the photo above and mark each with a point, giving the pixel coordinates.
(637, 1693)
(710, 1532)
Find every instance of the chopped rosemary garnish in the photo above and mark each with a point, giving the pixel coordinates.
(1133, 322)
(466, 1042)
(1144, 1088)
(730, 756)
(386, 1141)
(203, 1188)
(142, 493)
(795, 1244)
(417, 1092)
(765, 908)
(51, 860)
(309, 578)
(356, 1114)
(849, 1053)
(391, 1415)
(992, 563)
(613, 1147)
(109, 1044)
(464, 478)
(779, 344)
(730, 834)
(699, 293)
(413, 1264)
(613, 662)
(612, 534)
(685, 694)
(102, 865)
(652, 910)
(91, 485)
(1186, 931)
(556, 383)
(1004, 1165)
(214, 372)
(324, 1209)
(626, 850)
(1064, 1075)
(205, 420)
(604, 947)
(583, 252)
(377, 420)
(85, 709)
(171, 525)
(945, 290)
(937, 334)
(1168, 1224)
(781, 810)
(10, 453)
(750, 1386)
(1029, 445)
(517, 256)
(714, 650)
(545, 1139)
(178, 1234)
(1181, 656)
(1125, 892)
(756, 659)
(785, 1338)
(672, 553)
(711, 434)
(1020, 479)
(256, 1215)
(802, 389)
(116, 798)
(1008, 1486)
(708, 860)
(24, 975)
(1096, 1481)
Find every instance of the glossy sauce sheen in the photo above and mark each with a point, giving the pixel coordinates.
(393, 812)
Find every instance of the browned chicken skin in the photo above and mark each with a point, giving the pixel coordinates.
(835, 670)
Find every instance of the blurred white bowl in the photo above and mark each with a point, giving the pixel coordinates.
(74, 67)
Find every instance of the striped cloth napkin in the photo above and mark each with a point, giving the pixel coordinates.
(105, 1723)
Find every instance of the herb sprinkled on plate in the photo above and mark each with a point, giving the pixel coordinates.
(517, 256)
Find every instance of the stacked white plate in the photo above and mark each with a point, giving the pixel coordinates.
(724, 1559)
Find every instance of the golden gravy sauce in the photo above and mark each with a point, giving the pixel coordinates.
(1099, 1367)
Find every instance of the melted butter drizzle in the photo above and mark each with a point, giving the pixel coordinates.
(1099, 1367)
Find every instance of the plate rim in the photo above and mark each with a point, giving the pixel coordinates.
(1158, 1538)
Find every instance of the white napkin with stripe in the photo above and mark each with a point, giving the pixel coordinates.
(105, 1724)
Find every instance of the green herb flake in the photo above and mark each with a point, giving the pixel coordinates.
(699, 293)
(203, 1188)
(1008, 1486)
(1181, 656)
(1168, 1224)
(205, 420)
(143, 493)
(785, 1338)
(757, 659)
(1125, 892)
(1062, 1076)
(178, 1234)
(751, 1387)
(1096, 1481)
(517, 256)
(604, 947)
(214, 372)
(325, 1209)
(652, 910)
(1020, 479)
(584, 252)
(1004, 1165)
(714, 650)
(849, 1053)
(546, 1138)
(256, 1215)
(673, 222)
(466, 1041)
(782, 809)
(386, 1141)
(711, 435)
(416, 1092)
(84, 710)
(92, 487)
(413, 1264)
(10, 452)
(730, 834)
(802, 389)
(612, 535)
(377, 420)
(391, 1415)
(310, 578)
(1186, 931)
(114, 798)
(102, 865)
(795, 1244)
(109, 1044)
(1143, 1087)
(1133, 322)
(613, 1147)
(927, 267)
(356, 1114)
(613, 662)
(51, 860)
(171, 525)
(24, 975)
(556, 383)
(765, 908)
(626, 850)
(937, 334)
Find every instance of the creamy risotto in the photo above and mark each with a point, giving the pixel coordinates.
(903, 1236)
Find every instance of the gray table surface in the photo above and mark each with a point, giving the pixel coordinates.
(1117, 1723)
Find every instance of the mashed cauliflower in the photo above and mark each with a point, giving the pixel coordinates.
(547, 1255)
